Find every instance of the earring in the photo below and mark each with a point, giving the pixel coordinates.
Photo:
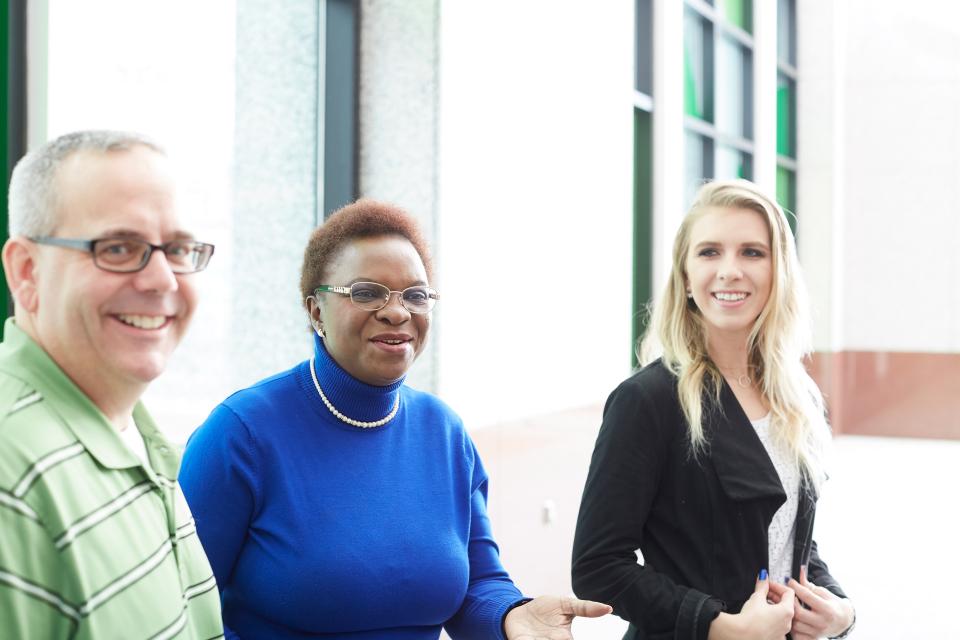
(689, 293)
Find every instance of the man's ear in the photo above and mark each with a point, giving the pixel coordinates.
(19, 265)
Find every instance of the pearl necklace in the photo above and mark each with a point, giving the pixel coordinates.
(356, 423)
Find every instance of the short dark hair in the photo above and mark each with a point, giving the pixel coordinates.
(364, 218)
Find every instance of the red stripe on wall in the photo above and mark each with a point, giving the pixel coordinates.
(885, 393)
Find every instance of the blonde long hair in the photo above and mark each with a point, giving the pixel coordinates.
(777, 344)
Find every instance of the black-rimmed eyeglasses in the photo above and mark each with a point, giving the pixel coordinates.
(372, 296)
(127, 255)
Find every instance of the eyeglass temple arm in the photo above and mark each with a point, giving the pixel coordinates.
(331, 289)
(83, 245)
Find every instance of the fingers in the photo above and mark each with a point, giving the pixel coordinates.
(785, 607)
(803, 576)
(817, 611)
(805, 630)
(777, 591)
(777, 595)
(824, 593)
(584, 608)
(763, 584)
(787, 600)
(803, 616)
(807, 596)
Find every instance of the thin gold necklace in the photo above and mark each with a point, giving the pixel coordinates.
(744, 380)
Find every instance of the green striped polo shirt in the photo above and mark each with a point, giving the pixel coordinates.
(93, 544)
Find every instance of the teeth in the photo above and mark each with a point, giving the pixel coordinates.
(393, 341)
(730, 297)
(143, 322)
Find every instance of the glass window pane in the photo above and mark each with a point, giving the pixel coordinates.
(786, 116)
(787, 194)
(739, 13)
(697, 63)
(734, 113)
(699, 164)
(732, 163)
(644, 58)
(642, 219)
(786, 32)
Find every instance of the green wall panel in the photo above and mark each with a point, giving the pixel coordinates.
(642, 223)
(739, 13)
(4, 142)
(787, 195)
(786, 116)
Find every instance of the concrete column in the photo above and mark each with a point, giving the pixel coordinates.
(668, 135)
(275, 184)
(765, 95)
(398, 104)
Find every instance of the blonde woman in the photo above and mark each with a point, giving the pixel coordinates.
(710, 458)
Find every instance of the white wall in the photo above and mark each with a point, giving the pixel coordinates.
(229, 87)
(879, 94)
(535, 211)
(117, 64)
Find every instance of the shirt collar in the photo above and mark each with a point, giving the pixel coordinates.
(24, 359)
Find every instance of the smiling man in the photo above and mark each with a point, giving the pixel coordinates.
(97, 540)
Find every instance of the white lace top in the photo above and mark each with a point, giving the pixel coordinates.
(782, 527)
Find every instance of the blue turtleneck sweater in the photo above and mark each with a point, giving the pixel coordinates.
(319, 529)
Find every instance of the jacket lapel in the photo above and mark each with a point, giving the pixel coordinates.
(803, 533)
(740, 460)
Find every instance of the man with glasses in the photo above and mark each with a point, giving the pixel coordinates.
(97, 540)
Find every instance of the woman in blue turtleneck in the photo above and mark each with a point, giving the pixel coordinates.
(334, 501)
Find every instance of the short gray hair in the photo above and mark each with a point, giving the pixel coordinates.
(32, 202)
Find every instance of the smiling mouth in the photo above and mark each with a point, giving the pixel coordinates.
(142, 322)
(392, 340)
(729, 297)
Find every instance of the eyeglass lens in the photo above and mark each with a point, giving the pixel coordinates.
(119, 254)
(373, 296)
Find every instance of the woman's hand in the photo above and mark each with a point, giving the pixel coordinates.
(818, 613)
(549, 617)
(764, 616)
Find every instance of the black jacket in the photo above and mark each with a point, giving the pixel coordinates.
(701, 524)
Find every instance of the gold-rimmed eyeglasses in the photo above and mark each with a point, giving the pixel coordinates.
(373, 296)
